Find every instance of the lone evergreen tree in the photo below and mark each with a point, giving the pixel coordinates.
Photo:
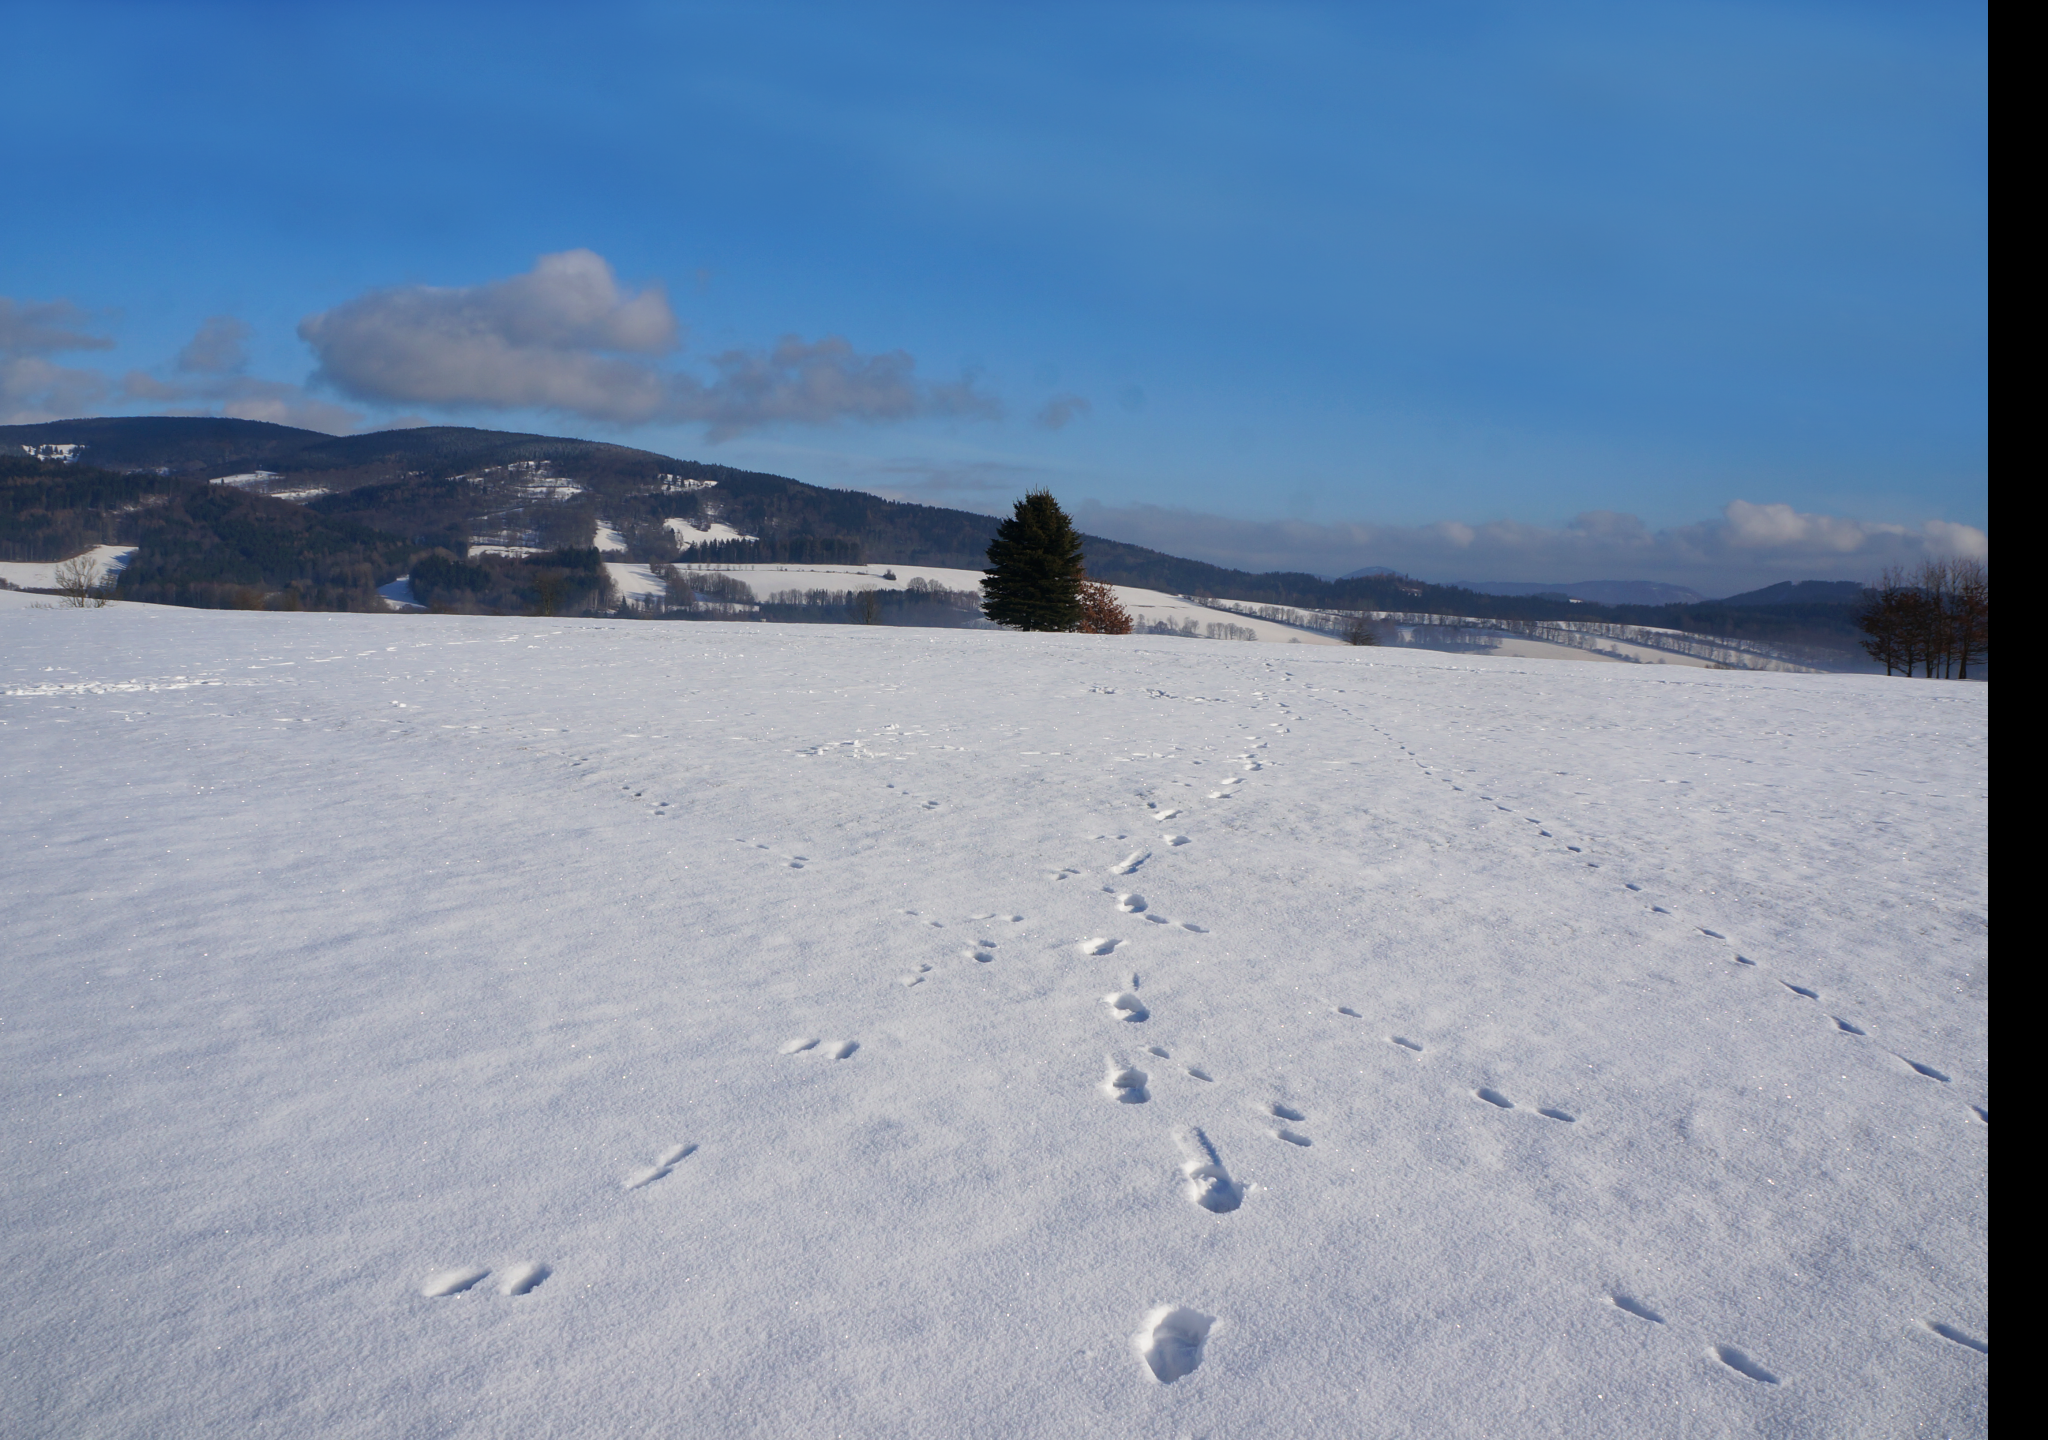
(1034, 576)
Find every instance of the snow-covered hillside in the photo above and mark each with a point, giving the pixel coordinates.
(426, 1026)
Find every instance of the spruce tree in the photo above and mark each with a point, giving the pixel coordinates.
(1034, 576)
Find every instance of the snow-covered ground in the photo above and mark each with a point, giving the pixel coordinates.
(427, 1026)
(42, 574)
(1147, 607)
(689, 533)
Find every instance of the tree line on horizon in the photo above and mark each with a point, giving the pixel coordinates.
(1933, 620)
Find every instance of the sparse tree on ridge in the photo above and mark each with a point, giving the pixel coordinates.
(1035, 568)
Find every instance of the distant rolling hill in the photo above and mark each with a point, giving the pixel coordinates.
(334, 516)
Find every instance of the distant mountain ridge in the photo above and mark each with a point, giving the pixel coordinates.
(1600, 592)
(369, 503)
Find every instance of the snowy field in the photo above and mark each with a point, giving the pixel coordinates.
(430, 1026)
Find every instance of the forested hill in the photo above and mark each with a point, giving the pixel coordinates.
(384, 496)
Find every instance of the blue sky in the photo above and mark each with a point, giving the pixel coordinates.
(1547, 292)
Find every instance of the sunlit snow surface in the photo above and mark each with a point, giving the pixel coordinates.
(455, 1026)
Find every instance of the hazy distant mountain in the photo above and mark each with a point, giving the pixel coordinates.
(1599, 592)
(1801, 592)
(1368, 573)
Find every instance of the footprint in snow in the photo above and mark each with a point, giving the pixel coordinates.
(1285, 1112)
(1058, 875)
(1125, 1084)
(1495, 1098)
(452, 1282)
(983, 951)
(1209, 1184)
(1405, 1043)
(1127, 1006)
(1131, 904)
(664, 1163)
(1845, 1027)
(1097, 945)
(1174, 839)
(1800, 990)
(1950, 1333)
(1126, 866)
(837, 1050)
(1742, 1365)
(915, 977)
(1347, 1010)
(1635, 1307)
(523, 1278)
(1172, 1341)
(1198, 1073)
(1928, 1070)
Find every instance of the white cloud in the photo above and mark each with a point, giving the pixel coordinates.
(563, 336)
(1747, 546)
(220, 347)
(1057, 412)
(45, 327)
(33, 388)
(566, 337)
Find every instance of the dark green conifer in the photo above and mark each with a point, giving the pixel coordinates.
(1034, 576)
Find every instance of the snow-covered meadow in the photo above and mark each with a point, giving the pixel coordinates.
(424, 1026)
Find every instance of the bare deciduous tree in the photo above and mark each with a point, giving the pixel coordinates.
(80, 582)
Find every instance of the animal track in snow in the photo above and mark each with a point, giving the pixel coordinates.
(1200, 1074)
(1127, 1006)
(1553, 1113)
(1742, 1365)
(1169, 814)
(1715, 933)
(1174, 839)
(1173, 1340)
(1209, 1184)
(1494, 1097)
(1745, 960)
(453, 1282)
(1636, 1308)
(799, 1045)
(1928, 1070)
(983, 953)
(915, 977)
(1160, 1050)
(523, 1278)
(1405, 1043)
(1293, 1137)
(1125, 1084)
(841, 1049)
(1949, 1332)
(1126, 866)
(1285, 1112)
(663, 1164)
(1846, 1027)
(1131, 904)
(1800, 990)
(1347, 1010)
(1097, 945)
